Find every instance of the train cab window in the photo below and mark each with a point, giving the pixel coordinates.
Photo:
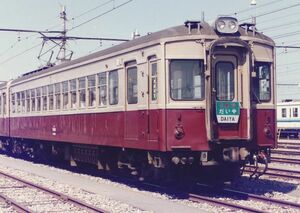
(92, 90)
(132, 86)
(51, 97)
(113, 87)
(225, 81)
(283, 112)
(38, 99)
(73, 93)
(32, 100)
(102, 89)
(65, 93)
(44, 98)
(18, 102)
(295, 112)
(261, 81)
(82, 93)
(27, 93)
(57, 96)
(187, 80)
(13, 102)
(153, 71)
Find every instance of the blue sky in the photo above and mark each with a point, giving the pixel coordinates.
(146, 16)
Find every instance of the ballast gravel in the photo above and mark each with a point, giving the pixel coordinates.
(117, 197)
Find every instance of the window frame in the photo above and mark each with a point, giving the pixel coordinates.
(259, 63)
(284, 112)
(110, 73)
(135, 99)
(101, 85)
(203, 86)
(91, 89)
(153, 98)
(234, 82)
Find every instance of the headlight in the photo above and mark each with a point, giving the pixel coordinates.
(226, 25)
(221, 24)
(232, 25)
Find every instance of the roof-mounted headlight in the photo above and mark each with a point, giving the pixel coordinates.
(226, 25)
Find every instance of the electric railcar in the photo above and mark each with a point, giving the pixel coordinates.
(288, 122)
(192, 96)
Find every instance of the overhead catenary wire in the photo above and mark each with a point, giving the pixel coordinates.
(92, 9)
(256, 7)
(21, 53)
(273, 11)
(100, 15)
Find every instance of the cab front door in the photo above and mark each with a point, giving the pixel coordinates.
(230, 116)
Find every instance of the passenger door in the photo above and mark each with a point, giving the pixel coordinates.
(230, 115)
(131, 103)
(153, 112)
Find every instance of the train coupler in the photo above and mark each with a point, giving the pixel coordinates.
(259, 159)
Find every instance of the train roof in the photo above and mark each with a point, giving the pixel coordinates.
(176, 31)
(289, 103)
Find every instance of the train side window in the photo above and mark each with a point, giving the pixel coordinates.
(65, 91)
(18, 102)
(23, 101)
(13, 102)
(261, 81)
(92, 90)
(187, 80)
(102, 80)
(51, 97)
(44, 97)
(4, 103)
(32, 100)
(132, 86)
(113, 87)
(82, 93)
(1, 105)
(283, 112)
(73, 88)
(38, 99)
(27, 93)
(154, 86)
(295, 112)
(57, 96)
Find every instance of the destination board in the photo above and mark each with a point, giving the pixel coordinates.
(227, 111)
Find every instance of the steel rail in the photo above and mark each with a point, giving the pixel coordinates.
(282, 152)
(285, 160)
(15, 205)
(279, 172)
(246, 196)
(262, 198)
(197, 198)
(59, 195)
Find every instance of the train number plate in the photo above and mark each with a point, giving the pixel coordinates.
(227, 111)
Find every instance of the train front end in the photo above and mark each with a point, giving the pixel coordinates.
(222, 97)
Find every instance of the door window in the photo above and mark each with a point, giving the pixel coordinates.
(132, 90)
(225, 81)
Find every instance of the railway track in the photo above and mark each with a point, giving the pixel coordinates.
(223, 192)
(285, 160)
(274, 172)
(25, 196)
(289, 146)
(286, 152)
(209, 194)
